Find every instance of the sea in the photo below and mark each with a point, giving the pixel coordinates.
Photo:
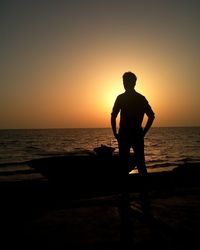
(165, 147)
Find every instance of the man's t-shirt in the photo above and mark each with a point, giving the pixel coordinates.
(132, 107)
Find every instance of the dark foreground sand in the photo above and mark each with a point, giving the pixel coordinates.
(35, 214)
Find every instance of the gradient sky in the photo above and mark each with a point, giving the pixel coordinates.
(62, 62)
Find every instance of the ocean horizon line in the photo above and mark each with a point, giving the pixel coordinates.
(60, 128)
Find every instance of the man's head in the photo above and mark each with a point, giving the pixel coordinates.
(129, 80)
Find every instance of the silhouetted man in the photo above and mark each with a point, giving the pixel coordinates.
(132, 107)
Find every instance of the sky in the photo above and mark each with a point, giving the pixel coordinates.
(62, 62)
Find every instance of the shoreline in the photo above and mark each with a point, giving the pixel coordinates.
(35, 213)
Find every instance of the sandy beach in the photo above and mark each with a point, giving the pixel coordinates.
(36, 214)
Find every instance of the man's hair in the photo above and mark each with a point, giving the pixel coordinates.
(129, 77)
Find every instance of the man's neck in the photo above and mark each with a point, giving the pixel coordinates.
(130, 91)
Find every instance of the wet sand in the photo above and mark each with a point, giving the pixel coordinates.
(36, 214)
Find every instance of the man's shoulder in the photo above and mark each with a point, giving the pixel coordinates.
(139, 95)
(120, 96)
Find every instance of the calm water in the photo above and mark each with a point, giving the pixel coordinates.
(163, 146)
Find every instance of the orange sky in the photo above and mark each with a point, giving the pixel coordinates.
(62, 64)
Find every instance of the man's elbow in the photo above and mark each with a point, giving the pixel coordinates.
(113, 119)
(153, 117)
(113, 116)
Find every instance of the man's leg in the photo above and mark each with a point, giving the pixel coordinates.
(138, 148)
(124, 203)
(140, 161)
(124, 152)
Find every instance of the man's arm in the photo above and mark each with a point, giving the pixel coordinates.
(148, 124)
(114, 127)
(151, 116)
(114, 114)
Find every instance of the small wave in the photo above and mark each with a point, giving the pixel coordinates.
(163, 165)
(188, 159)
(15, 172)
(18, 172)
(17, 166)
(81, 152)
(33, 147)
